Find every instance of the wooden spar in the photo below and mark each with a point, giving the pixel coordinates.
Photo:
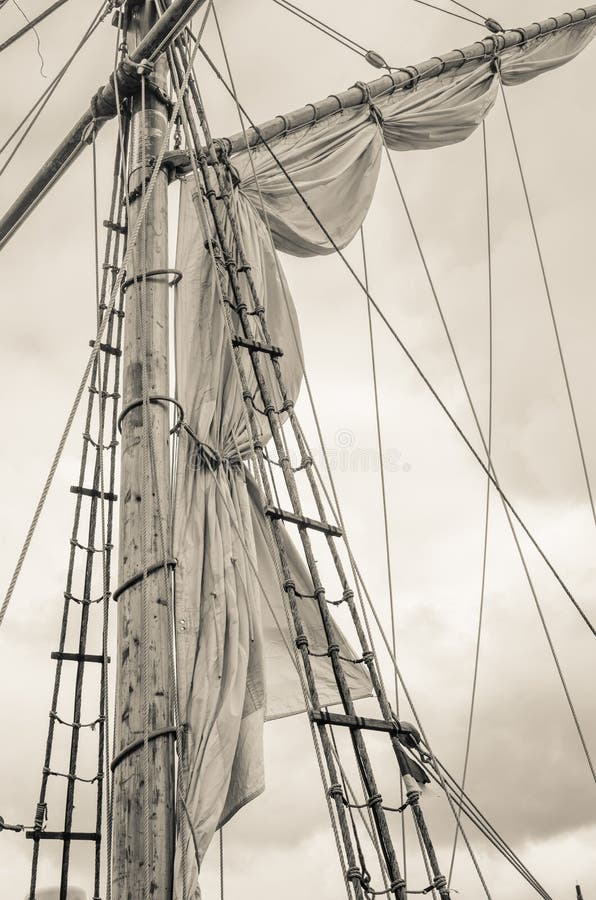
(164, 30)
(400, 78)
(133, 824)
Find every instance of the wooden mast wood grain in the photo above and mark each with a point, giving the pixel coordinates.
(130, 818)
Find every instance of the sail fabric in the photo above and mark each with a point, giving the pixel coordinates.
(335, 163)
(544, 53)
(235, 662)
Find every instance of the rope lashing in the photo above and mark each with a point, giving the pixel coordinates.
(153, 273)
(140, 576)
(354, 874)
(70, 776)
(87, 437)
(154, 398)
(375, 111)
(169, 731)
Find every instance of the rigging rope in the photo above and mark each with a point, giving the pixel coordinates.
(550, 303)
(292, 650)
(490, 470)
(46, 95)
(448, 12)
(322, 27)
(96, 345)
(408, 354)
(337, 510)
(385, 513)
(488, 491)
(30, 25)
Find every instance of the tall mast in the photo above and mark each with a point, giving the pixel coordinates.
(143, 647)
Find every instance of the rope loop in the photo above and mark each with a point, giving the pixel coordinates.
(340, 106)
(368, 656)
(302, 641)
(289, 585)
(333, 648)
(315, 113)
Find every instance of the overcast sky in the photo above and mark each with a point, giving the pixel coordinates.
(527, 771)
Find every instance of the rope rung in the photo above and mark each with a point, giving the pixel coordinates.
(257, 346)
(92, 492)
(273, 512)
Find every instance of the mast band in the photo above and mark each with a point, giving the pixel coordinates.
(139, 743)
(154, 398)
(138, 576)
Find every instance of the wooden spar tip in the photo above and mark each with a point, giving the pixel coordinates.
(401, 78)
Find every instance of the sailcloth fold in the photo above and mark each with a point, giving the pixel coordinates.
(235, 661)
(335, 162)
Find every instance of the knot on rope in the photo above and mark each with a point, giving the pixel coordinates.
(348, 595)
(332, 648)
(302, 641)
(354, 874)
(368, 656)
(440, 882)
(289, 585)
(397, 884)
(335, 790)
(376, 798)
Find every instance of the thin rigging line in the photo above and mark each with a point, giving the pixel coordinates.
(447, 12)
(95, 350)
(46, 95)
(550, 303)
(31, 24)
(322, 26)
(469, 9)
(490, 468)
(39, 53)
(408, 355)
(488, 487)
(385, 514)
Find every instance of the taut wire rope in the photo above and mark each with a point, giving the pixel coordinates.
(46, 95)
(447, 12)
(201, 213)
(490, 469)
(488, 491)
(392, 611)
(232, 91)
(410, 357)
(337, 511)
(549, 302)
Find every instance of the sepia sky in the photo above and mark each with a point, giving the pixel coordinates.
(527, 771)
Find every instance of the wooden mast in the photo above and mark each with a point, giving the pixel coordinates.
(132, 824)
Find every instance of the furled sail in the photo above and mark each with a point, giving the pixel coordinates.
(335, 161)
(233, 644)
(234, 649)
